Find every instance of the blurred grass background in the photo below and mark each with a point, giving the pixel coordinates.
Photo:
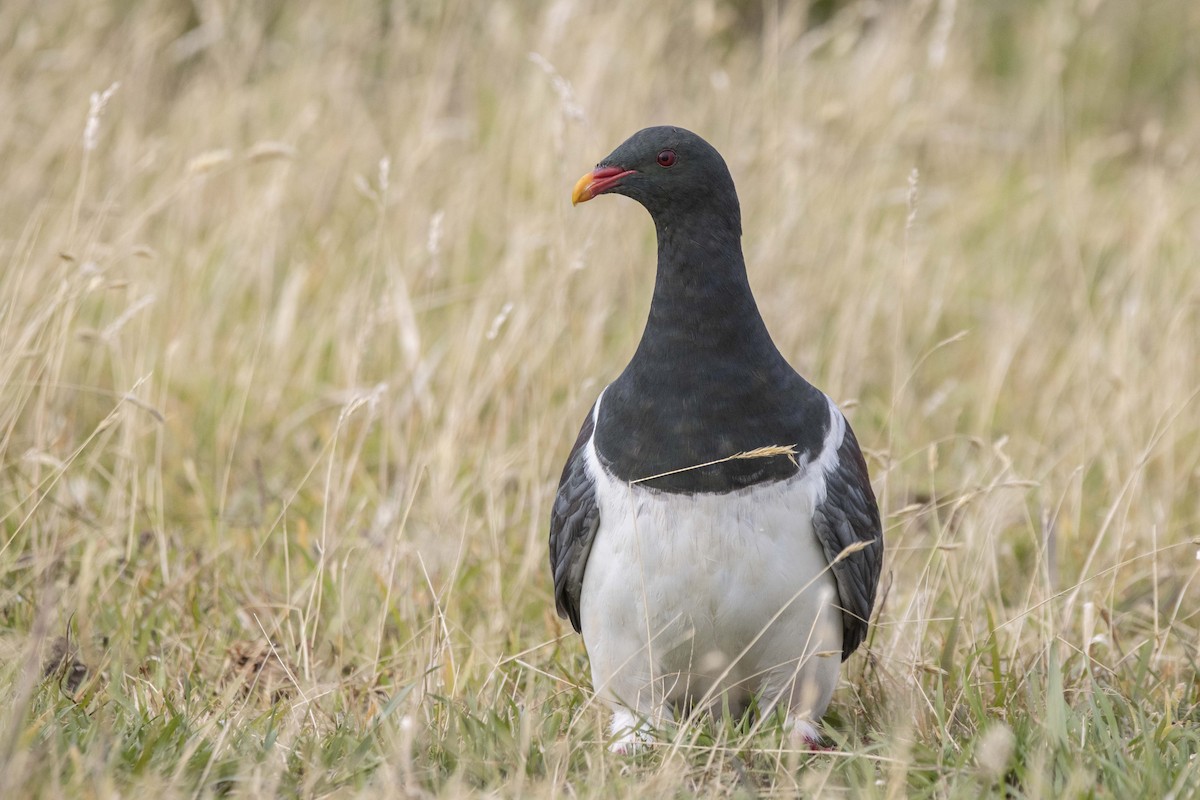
(297, 325)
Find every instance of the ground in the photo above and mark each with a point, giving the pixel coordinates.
(297, 325)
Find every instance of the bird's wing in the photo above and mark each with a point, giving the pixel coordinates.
(574, 521)
(846, 518)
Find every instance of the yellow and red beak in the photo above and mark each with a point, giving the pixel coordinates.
(598, 181)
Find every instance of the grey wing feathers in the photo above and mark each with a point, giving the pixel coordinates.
(574, 521)
(849, 515)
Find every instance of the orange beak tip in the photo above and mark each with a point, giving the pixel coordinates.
(583, 190)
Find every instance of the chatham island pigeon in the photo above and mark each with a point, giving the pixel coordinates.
(714, 537)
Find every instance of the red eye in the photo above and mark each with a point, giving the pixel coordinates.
(666, 158)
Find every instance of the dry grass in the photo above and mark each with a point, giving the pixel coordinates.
(290, 359)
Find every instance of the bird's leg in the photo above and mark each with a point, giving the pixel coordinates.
(631, 733)
(804, 734)
(802, 731)
(633, 725)
(805, 694)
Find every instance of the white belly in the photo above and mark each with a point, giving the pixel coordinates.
(710, 598)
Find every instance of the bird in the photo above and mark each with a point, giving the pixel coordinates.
(714, 537)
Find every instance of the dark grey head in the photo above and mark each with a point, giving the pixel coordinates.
(674, 173)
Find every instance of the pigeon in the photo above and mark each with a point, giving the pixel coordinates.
(714, 537)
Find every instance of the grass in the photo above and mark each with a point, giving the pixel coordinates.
(290, 359)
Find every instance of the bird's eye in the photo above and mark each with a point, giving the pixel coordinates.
(666, 158)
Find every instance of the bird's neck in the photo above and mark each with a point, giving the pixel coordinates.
(702, 305)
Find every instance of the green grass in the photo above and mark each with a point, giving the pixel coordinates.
(290, 361)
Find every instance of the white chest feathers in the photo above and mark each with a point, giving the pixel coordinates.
(708, 598)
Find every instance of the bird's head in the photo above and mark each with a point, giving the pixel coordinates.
(671, 171)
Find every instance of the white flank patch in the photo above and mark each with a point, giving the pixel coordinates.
(712, 597)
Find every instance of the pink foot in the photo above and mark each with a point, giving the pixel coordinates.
(806, 735)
